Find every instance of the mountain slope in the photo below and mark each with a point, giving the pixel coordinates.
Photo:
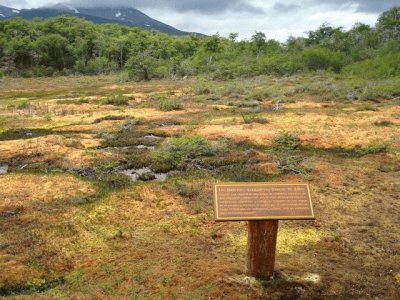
(6, 12)
(121, 15)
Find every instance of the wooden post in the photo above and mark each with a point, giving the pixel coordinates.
(261, 248)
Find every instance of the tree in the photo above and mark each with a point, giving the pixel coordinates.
(259, 39)
(213, 44)
(53, 51)
(141, 66)
(389, 24)
(233, 37)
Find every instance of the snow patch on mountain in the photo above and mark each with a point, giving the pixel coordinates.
(72, 8)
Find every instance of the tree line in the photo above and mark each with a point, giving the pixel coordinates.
(70, 45)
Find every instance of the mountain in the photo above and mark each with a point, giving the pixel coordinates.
(6, 12)
(121, 15)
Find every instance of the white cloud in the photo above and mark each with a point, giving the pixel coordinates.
(275, 24)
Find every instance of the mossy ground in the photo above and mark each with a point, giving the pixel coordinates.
(73, 227)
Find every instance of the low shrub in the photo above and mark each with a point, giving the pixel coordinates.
(285, 142)
(115, 180)
(24, 105)
(117, 100)
(359, 151)
(109, 118)
(252, 103)
(283, 101)
(383, 123)
(169, 104)
(326, 89)
(73, 101)
(203, 88)
(322, 59)
(377, 68)
(181, 152)
(286, 153)
(385, 89)
(292, 164)
(253, 118)
(258, 95)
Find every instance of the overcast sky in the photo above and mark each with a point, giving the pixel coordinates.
(277, 18)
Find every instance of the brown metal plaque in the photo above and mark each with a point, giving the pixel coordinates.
(262, 201)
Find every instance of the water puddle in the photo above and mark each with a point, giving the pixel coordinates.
(124, 148)
(152, 137)
(145, 174)
(145, 147)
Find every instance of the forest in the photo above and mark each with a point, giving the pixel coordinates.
(70, 45)
(112, 138)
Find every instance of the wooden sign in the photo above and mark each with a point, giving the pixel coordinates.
(262, 201)
(262, 204)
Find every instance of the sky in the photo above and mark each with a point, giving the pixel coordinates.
(278, 19)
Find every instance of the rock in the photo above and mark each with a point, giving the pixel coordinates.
(4, 169)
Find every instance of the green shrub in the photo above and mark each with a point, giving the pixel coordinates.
(280, 65)
(203, 88)
(367, 108)
(100, 65)
(109, 118)
(124, 76)
(73, 101)
(326, 89)
(322, 59)
(285, 142)
(253, 118)
(381, 89)
(115, 180)
(142, 66)
(24, 105)
(377, 68)
(375, 148)
(359, 151)
(283, 101)
(117, 100)
(169, 104)
(234, 90)
(258, 95)
(383, 123)
(180, 152)
(292, 164)
(251, 104)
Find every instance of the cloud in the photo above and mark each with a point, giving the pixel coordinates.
(370, 6)
(277, 18)
(282, 7)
